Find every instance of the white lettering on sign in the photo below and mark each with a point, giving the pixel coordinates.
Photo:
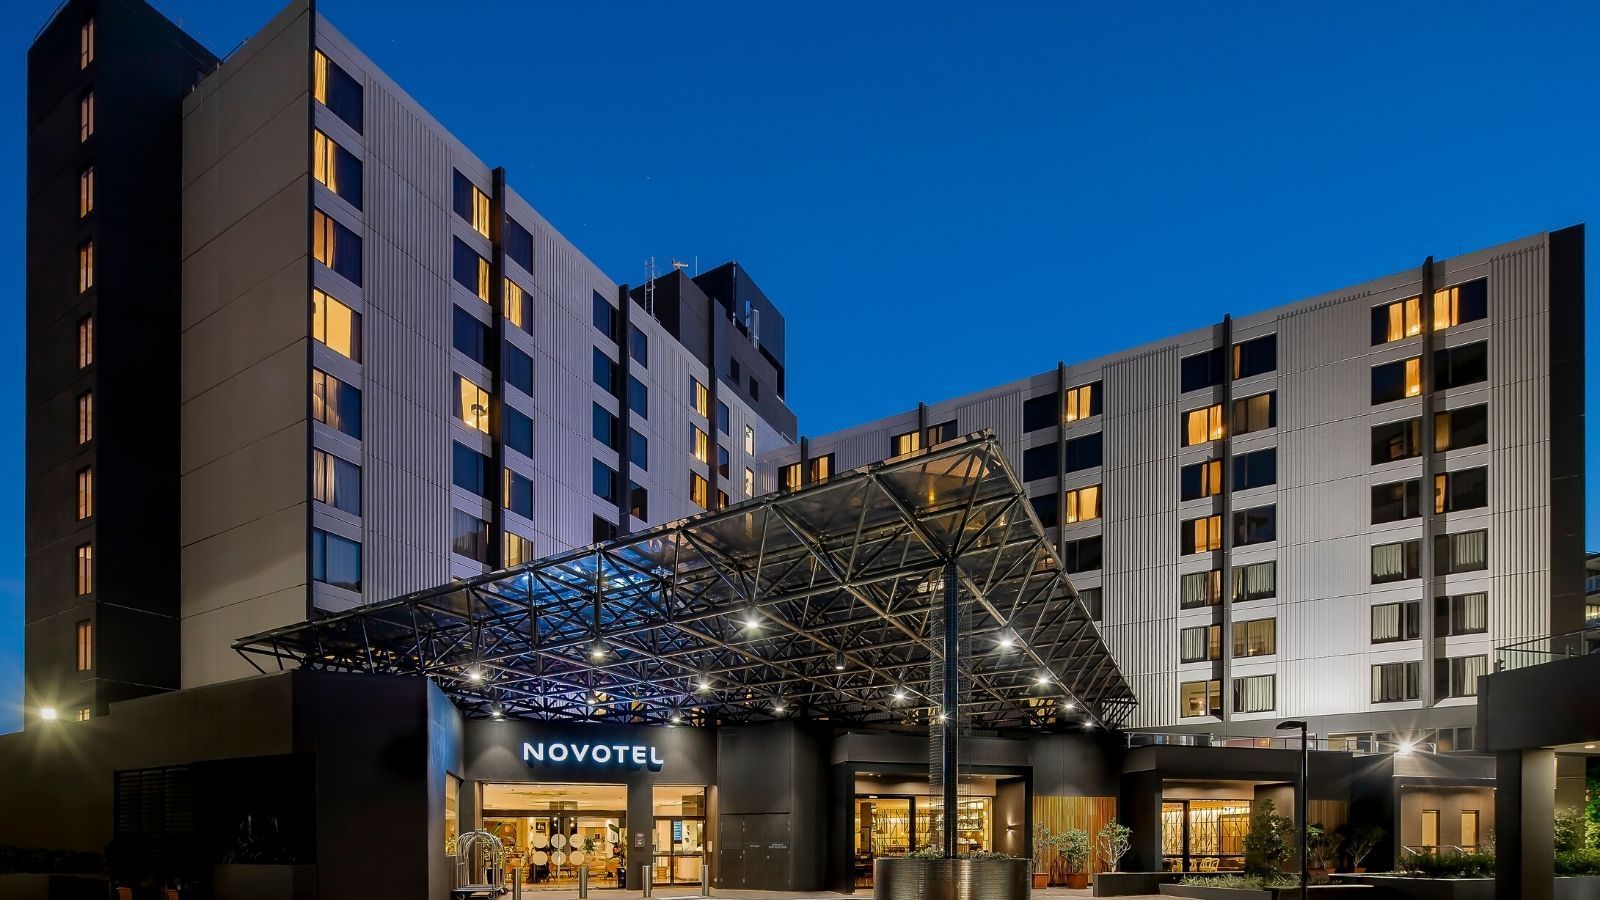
(632, 755)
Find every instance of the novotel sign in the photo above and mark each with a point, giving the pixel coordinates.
(633, 756)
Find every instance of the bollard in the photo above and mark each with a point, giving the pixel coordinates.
(649, 877)
(583, 883)
(705, 879)
(516, 883)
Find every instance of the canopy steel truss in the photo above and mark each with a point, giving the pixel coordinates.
(821, 602)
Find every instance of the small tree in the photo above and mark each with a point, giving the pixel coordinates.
(1572, 830)
(1322, 847)
(1359, 841)
(1114, 838)
(1044, 841)
(1073, 845)
(1266, 845)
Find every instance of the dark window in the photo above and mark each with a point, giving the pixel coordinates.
(1472, 301)
(470, 470)
(1458, 677)
(1041, 462)
(1041, 412)
(1201, 370)
(604, 529)
(518, 431)
(339, 92)
(605, 317)
(1255, 526)
(1253, 470)
(1048, 509)
(639, 346)
(1084, 453)
(605, 373)
(1458, 366)
(468, 268)
(1397, 380)
(938, 434)
(519, 494)
(345, 252)
(1461, 614)
(336, 482)
(1255, 357)
(1396, 562)
(462, 195)
(638, 450)
(1201, 479)
(722, 461)
(335, 560)
(604, 427)
(734, 372)
(1396, 440)
(1396, 622)
(638, 397)
(519, 244)
(722, 417)
(1255, 413)
(1393, 682)
(638, 501)
(1082, 555)
(335, 404)
(1466, 489)
(469, 536)
(1465, 427)
(1464, 552)
(1396, 501)
(755, 388)
(1092, 601)
(470, 336)
(605, 481)
(519, 370)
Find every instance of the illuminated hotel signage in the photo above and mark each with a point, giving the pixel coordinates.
(632, 756)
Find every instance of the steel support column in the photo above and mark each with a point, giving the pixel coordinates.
(952, 702)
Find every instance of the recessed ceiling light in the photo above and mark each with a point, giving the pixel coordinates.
(838, 661)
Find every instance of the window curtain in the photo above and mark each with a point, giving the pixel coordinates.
(1193, 644)
(1467, 671)
(1471, 613)
(1471, 551)
(1388, 562)
(1254, 694)
(1255, 582)
(1386, 623)
(1194, 589)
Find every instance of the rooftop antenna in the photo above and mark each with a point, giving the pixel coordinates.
(679, 265)
(650, 285)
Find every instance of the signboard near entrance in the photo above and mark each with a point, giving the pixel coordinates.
(629, 756)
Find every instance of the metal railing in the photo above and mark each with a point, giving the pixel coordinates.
(1540, 650)
(1133, 739)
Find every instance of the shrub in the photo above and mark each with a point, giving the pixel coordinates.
(43, 861)
(1073, 845)
(1267, 844)
(1572, 830)
(1247, 882)
(1578, 862)
(1449, 865)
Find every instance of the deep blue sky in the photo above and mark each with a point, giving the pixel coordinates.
(942, 197)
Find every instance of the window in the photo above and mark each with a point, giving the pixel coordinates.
(1047, 509)
(1461, 304)
(1200, 643)
(335, 246)
(1255, 357)
(470, 470)
(1253, 470)
(638, 450)
(1081, 402)
(749, 440)
(1202, 425)
(518, 369)
(518, 550)
(1201, 535)
(1201, 479)
(1394, 682)
(604, 427)
(517, 431)
(1255, 413)
(722, 461)
(749, 482)
(471, 204)
(1093, 602)
(335, 560)
(1082, 555)
(1201, 370)
(699, 490)
(1255, 526)
(1461, 614)
(469, 270)
(604, 529)
(1257, 581)
(85, 580)
(1459, 366)
(734, 372)
(336, 482)
(519, 494)
(336, 326)
(1043, 461)
(471, 404)
(604, 482)
(469, 335)
(1039, 412)
(85, 417)
(469, 536)
(1456, 491)
(722, 499)
(337, 168)
(1464, 427)
(639, 346)
(86, 44)
(1197, 589)
(86, 191)
(1396, 440)
(85, 341)
(334, 88)
(606, 373)
(1396, 562)
(1083, 504)
(638, 501)
(699, 397)
(1084, 453)
(755, 388)
(1255, 693)
(335, 404)
(1469, 825)
(1458, 677)
(85, 645)
(1396, 321)
(519, 244)
(1397, 380)
(722, 417)
(606, 319)
(1397, 622)
(86, 116)
(518, 308)
(638, 397)
(85, 266)
(1464, 552)
(821, 468)
(1255, 637)
(1200, 698)
(1397, 501)
(790, 477)
(699, 444)
(85, 493)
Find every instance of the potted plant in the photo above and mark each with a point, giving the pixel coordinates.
(1114, 839)
(1322, 850)
(1073, 845)
(1044, 840)
(1359, 841)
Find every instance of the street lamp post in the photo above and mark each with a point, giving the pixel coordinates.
(1302, 789)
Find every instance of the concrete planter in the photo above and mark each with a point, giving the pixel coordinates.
(1427, 888)
(1319, 891)
(1132, 884)
(1577, 887)
(258, 882)
(27, 886)
(906, 878)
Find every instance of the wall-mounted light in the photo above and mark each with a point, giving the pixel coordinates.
(48, 713)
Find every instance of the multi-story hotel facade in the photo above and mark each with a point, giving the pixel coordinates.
(1332, 510)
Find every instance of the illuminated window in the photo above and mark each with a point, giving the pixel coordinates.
(1255, 413)
(1081, 402)
(86, 191)
(749, 482)
(1200, 698)
(902, 444)
(516, 306)
(1396, 621)
(699, 397)
(83, 714)
(749, 440)
(337, 168)
(1257, 581)
(336, 482)
(85, 116)
(1459, 304)
(335, 246)
(85, 44)
(85, 341)
(1083, 504)
(470, 270)
(85, 645)
(1466, 489)
(1200, 643)
(85, 492)
(85, 581)
(85, 417)
(821, 468)
(699, 444)
(1398, 561)
(1201, 479)
(335, 404)
(471, 204)
(335, 325)
(1256, 637)
(85, 266)
(519, 550)
(1392, 682)
(1201, 535)
(472, 405)
(1464, 427)
(790, 476)
(1198, 589)
(1397, 380)
(1396, 321)
(1202, 425)
(699, 490)
(334, 88)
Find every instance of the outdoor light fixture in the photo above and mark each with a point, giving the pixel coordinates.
(495, 710)
(1068, 704)
(702, 685)
(677, 719)
(943, 717)
(1044, 678)
(1301, 794)
(1588, 746)
(899, 694)
(1005, 640)
(838, 661)
(597, 650)
(48, 713)
(1406, 747)
(752, 618)
(474, 674)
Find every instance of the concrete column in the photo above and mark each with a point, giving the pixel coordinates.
(1524, 816)
(640, 830)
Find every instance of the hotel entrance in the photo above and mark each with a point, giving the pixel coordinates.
(553, 831)
(1204, 835)
(680, 833)
(894, 816)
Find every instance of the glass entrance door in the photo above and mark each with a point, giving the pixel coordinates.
(883, 828)
(680, 833)
(552, 831)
